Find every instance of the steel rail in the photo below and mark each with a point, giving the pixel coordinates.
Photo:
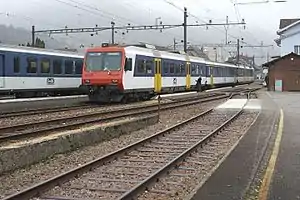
(114, 114)
(51, 110)
(41, 111)
(38, 189)
(45, 185)
(155, 176)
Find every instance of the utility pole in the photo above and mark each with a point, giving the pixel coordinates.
(174, 44)
(32, 35)
(226, 30)
(113, 32)
(238, 51)
(185, 29)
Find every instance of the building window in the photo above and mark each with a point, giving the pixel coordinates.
(297, 49)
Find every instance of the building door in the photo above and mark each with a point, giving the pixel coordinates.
(157, 76)
(1, 71)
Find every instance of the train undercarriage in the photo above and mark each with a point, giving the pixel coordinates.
(112, 94)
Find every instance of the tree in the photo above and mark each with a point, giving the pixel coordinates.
(38, 43)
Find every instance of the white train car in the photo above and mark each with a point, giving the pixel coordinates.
(117, 73)
(29, 72)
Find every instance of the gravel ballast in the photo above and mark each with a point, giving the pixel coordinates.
(23, 178)
(69, 113)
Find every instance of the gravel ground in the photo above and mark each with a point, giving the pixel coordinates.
(22, 178)
(63, 114)
(120, 167)
(182, 181)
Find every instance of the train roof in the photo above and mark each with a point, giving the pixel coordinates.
(40, 51)
(150, 50)
(183, 57)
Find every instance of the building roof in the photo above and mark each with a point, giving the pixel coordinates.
(268, 64)
(286, 24)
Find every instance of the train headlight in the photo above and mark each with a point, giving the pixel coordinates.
(114, 81)
(87, 81)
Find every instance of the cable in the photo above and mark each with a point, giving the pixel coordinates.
(86, 10)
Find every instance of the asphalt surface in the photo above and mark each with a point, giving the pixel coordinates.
(286, 178)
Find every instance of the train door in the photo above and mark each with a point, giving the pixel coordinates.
(235, 74)
(157, 76)
(211, 75)
(1, 71)
(188, 76)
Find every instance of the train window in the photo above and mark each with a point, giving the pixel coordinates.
(69, 66)
(232, 72)
(222, 71)
(172, 70)
(182, 69)
(45, 66)
(194, 71)
(149, 66)
(176, 68)
(78, 66)
(141, 68)
(16, 64)
(128, 64)
(57, 67)
(166, 67)
(198, 70)
(201, 70)
(31, 65)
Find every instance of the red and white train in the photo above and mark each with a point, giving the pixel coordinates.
(119, 73)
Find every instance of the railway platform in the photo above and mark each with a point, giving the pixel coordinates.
(286, 178)
(243, 174)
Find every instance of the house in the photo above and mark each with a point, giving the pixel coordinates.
(284, 73)
(289, 36)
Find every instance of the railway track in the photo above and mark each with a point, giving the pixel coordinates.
(130, 171)
(34, 129)
(37, 111)
(42, 111)
(27, 112)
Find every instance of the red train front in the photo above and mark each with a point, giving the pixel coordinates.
(102, 73)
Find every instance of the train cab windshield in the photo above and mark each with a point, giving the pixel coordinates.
(103, 61)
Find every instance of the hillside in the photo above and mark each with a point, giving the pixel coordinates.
(15, 36)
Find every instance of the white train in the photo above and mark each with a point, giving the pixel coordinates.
(29, 72)
(116, 73)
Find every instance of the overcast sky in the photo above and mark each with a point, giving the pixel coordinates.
(262, 19)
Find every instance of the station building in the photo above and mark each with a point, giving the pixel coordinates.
(284, 73)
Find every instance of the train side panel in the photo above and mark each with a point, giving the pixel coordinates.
(39, 71)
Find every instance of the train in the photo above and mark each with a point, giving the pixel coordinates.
(34, 72)
(116, 73)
